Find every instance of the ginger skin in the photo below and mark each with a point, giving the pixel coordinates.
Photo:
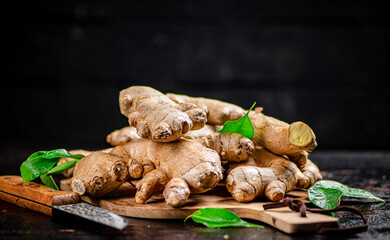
(177, 168)
(218, 112)
(205, 131)
(128, 134)
(158, 118)
(98, 174)
(294, 140)
(193, 163)
(122, 136)
(267, 174)
(231, 147)
(311, 171)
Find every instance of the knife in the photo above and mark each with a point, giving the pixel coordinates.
(55, 203)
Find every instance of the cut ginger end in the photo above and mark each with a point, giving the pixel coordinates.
(300, 134)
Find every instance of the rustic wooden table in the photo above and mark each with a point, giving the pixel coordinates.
(367, 170)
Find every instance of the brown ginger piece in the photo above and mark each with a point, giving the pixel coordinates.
(98, 174)
(128, 134)
(294, 140)
(178, 168)
(69, 172)
(204, 131)
(158, 118)
(122, 136)
(199, 167)
(311, 171)
(218, 112)
(231, 147)
(178, 177)
(267, 174)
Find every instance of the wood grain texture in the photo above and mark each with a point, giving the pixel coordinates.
(284, 219)
(32, 195)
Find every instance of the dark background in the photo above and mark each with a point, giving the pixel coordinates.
(322, 62)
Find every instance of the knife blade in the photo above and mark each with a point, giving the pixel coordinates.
(55, 203)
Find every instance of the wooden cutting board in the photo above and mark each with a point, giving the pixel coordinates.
(122, 202)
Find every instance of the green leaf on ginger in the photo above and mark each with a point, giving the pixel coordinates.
(49, 181)
(242, 126)
(326, 193)
(219, 217)
(41, 162)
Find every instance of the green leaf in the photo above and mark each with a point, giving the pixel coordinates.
(76, 156)
(41, 162)
(34, 167)
(62, 167)
(360, 193)
(242, 126)
(49, 181)
(325, 198)
(218, 217)
(325, 193)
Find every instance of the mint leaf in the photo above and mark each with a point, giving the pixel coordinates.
(360, 193)
(325, 198)
(242, 126)
(219, 217)
(41, 162)
(326, 193)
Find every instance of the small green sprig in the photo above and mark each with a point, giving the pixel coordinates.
(327, 193)
(242, 126)
(219, 217)
(42, 164)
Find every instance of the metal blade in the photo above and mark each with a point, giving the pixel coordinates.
(93, 213)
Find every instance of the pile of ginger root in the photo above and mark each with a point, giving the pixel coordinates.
(171, 146)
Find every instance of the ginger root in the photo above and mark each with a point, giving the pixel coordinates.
(204, 131)
(311, 171)
(128, 134)
(122, 136)
(159, 147)
(158, 118)
(218, 112)
(98, 174)
(267, 174)
(178, 168)
(231, 147)
(294, 140)
(196, 165)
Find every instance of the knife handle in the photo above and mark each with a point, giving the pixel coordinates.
(34, 196)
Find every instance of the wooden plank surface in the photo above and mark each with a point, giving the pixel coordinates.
(284, 219)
